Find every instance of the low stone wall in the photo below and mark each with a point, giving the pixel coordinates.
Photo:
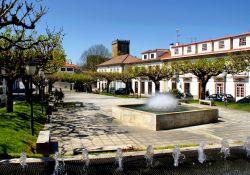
(163, 121)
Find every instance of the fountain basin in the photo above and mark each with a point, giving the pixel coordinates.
(133, 115)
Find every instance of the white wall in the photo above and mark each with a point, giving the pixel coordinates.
(209, 47)
(110, 69)
(236, 43)
(144, 55)
(193, 50)
(172, 49)
(227, 43)
(66, 70)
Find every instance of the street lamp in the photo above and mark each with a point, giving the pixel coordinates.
(31, 70)
(224, 74)
(42, 76)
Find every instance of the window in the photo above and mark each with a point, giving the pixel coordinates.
(70, 69)
(176, 51)
(143, 87)
(149, 88)
(152, 55)
(174, 86)
(187, 88)
(136, 87)
(62, 69)
(219, 88)
(145, 56)
(242, 41)
(221, 44)
(189, 49)
(240, 90)
(204, 47)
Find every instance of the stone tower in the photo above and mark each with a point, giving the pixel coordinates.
(120, 47)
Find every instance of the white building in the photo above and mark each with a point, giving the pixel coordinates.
(237, 85)
(68, 68)
(116, 64)
(2, 80)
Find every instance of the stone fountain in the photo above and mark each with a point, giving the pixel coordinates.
(163, 112)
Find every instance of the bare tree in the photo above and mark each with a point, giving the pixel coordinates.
(93, 56)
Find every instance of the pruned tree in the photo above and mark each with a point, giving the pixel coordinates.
(155, 73)
(238, 63)
(52, 78)
(14, 60)
(107, 76)
(126, 78)
(204, 69)
(93, 56)
(18, 16)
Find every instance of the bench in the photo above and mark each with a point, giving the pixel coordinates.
(43, 142)
(206, 102)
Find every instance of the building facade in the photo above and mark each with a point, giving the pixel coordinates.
(236, 85)
(2, 80)
(68, 68)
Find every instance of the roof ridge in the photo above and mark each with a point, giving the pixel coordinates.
(125, 57)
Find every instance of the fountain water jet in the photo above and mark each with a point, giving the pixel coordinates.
(247, 146)
(201, 154)
(118, 158)
(23, 159)
(85, 157)
(59, 165)
(149, 156)
(162, 102)
(225, 148)
(177, 155)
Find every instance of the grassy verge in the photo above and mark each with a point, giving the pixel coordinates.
(230, 105)
(15, 134)
(236, 106)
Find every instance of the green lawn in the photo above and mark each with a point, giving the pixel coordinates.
(15, 134)
(236, 106)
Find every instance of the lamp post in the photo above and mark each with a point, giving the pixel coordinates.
(42, 76)
(224, 74)
(31, 70)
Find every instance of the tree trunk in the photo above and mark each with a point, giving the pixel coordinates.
(203, 89)
(127, 88)
(9, 105)
(157, 86)
(50, 87)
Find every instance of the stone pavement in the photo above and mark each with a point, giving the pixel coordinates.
(92, 127)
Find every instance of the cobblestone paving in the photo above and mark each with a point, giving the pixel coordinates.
(92, 126)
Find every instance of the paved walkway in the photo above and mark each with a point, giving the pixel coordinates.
(92, 126)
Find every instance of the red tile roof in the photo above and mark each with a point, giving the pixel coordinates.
(122, 59)
(217, 39)
(69, 65)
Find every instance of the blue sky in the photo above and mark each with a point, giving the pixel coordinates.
(148, 24)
